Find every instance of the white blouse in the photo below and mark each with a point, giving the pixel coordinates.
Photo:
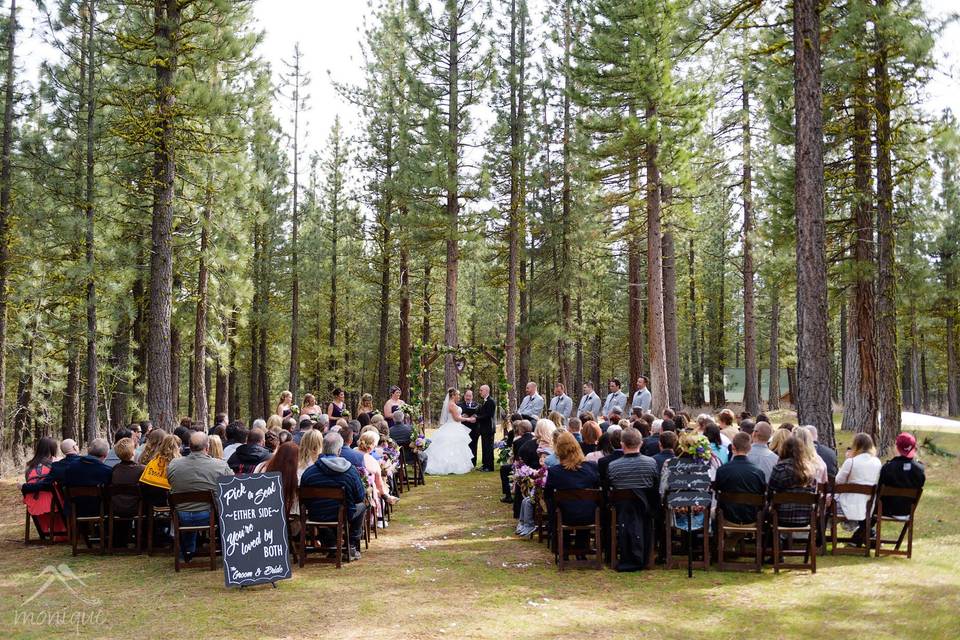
(861, 469)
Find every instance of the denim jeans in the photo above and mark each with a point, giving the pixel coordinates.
(188, 539)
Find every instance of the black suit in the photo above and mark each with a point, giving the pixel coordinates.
(484, 430)
(740, 476)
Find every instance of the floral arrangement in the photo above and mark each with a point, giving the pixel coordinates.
(503, 452)
(699, 448)
(418, 441)
(294, 410)
(414, 413)
(529, 479)
(388, 461)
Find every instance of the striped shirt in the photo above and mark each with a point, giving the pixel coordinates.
(634, 471)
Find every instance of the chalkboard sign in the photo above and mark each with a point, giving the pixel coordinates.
(253, 529)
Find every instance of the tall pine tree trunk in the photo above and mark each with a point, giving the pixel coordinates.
(294, 378)
(773, 388)
(655, 325)
(70, 417)
(198, 389)
(514, 224)
(751, 386)
(403, 374)
(862, 381)
(813, 385)
(6, 176)
(671, 341)
(383, 353)
(160, 401)
(92, 396)
(450, 333)
(696, 361)
(888, 360)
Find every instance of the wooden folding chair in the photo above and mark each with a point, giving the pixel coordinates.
(177, 499)
(154, 513)
(311, 528)
(59, 527)
(133, 491)
(562, 496)
(680, 562)
(616, 497)
(740, 531)
(837, 517)
(76, 496)
(906, 528)
(809, 551)
(401, 478)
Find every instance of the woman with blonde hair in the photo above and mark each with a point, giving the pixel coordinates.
(365, 409)
(154, 477)
(808, 451)
(274, 423)
(311, 446)
(283, 406)
(862, 466)
(216, 447)
(368, 441)
(558, 420)
(778, 440)
(310, 407)
(152, 445)
(793, 473)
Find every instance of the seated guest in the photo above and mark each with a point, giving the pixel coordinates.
(401, 432)
(794, 474)
(778, 439)
(352, 455)
(216, 447)
(574, 426)
(668, 444)
(827, 454)
(306, 424)
(605, 446)
(613, 418)
(285, 461)
(89, 471)
(651, 443)
(760, 453)
(237, 435)
(183, 433)
(284, 436)
(121, 433)
(311, 446)
(322, 423)
(154, 477)
(573, 472)
(247, 456)
(721, 452)
(810, 452)
(747, 427)
(633, 470)
(271, 440)
(331, 470)
(740, 475)
(287, 424)
(39, 503)
(542, 441)
(862, 466)
(58, 468)
(368, 442)
(603, 464)
(591, 435)
(196, 472)
(903, 471)
(125, 473)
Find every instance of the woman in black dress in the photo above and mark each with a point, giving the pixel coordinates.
(392, 404)
(337, 406)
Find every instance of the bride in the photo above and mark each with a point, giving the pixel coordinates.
(449, 450)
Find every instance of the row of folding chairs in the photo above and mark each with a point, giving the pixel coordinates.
(734, 542)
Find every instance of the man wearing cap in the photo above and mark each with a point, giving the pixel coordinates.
(903, 472)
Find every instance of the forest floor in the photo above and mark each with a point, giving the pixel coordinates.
(449, 566)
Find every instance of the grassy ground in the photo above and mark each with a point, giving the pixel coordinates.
(449, 567)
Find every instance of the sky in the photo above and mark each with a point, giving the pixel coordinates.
(330, 32)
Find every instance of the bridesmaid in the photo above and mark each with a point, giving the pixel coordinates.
(392, 404)
(335, 408)
(365, 409)
(283, 407)
(310, 407)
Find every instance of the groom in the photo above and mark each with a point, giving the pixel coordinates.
(484, 429)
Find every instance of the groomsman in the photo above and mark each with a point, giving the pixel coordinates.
(589, 401)
(615, 398)
(641, 398)
(561, 402)
(531, 407)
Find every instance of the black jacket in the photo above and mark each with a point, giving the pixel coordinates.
(830, 457)
(87, 471)
(902, 473)
(528, 452)
(662, 457)
(740, 476)
(401, 434)
(586, 477)
(485, 414)
(650, 446)
(246, 457)
(603, 465)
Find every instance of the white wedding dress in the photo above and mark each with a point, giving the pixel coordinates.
(449, 450)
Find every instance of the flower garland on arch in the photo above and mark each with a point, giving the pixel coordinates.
(466, 354)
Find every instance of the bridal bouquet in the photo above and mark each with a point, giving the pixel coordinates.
(503, 452)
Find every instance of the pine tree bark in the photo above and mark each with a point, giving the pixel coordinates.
(696, 362)
(160, 401)
(294, 378)
(70, 416)
(383, 354)
(450, 332)
(862, 374)
(655, 324)
(888, 375)
(566, 199)
(175, 370)
(514, 224)
(671, 341)
(813, 387)
(751, 387)
(92, 390)
(6, 176)
(635, 360)
(773, 384)
(403, 374)
(198, 389)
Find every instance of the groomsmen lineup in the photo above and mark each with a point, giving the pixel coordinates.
(531, 404)
(561, 402)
